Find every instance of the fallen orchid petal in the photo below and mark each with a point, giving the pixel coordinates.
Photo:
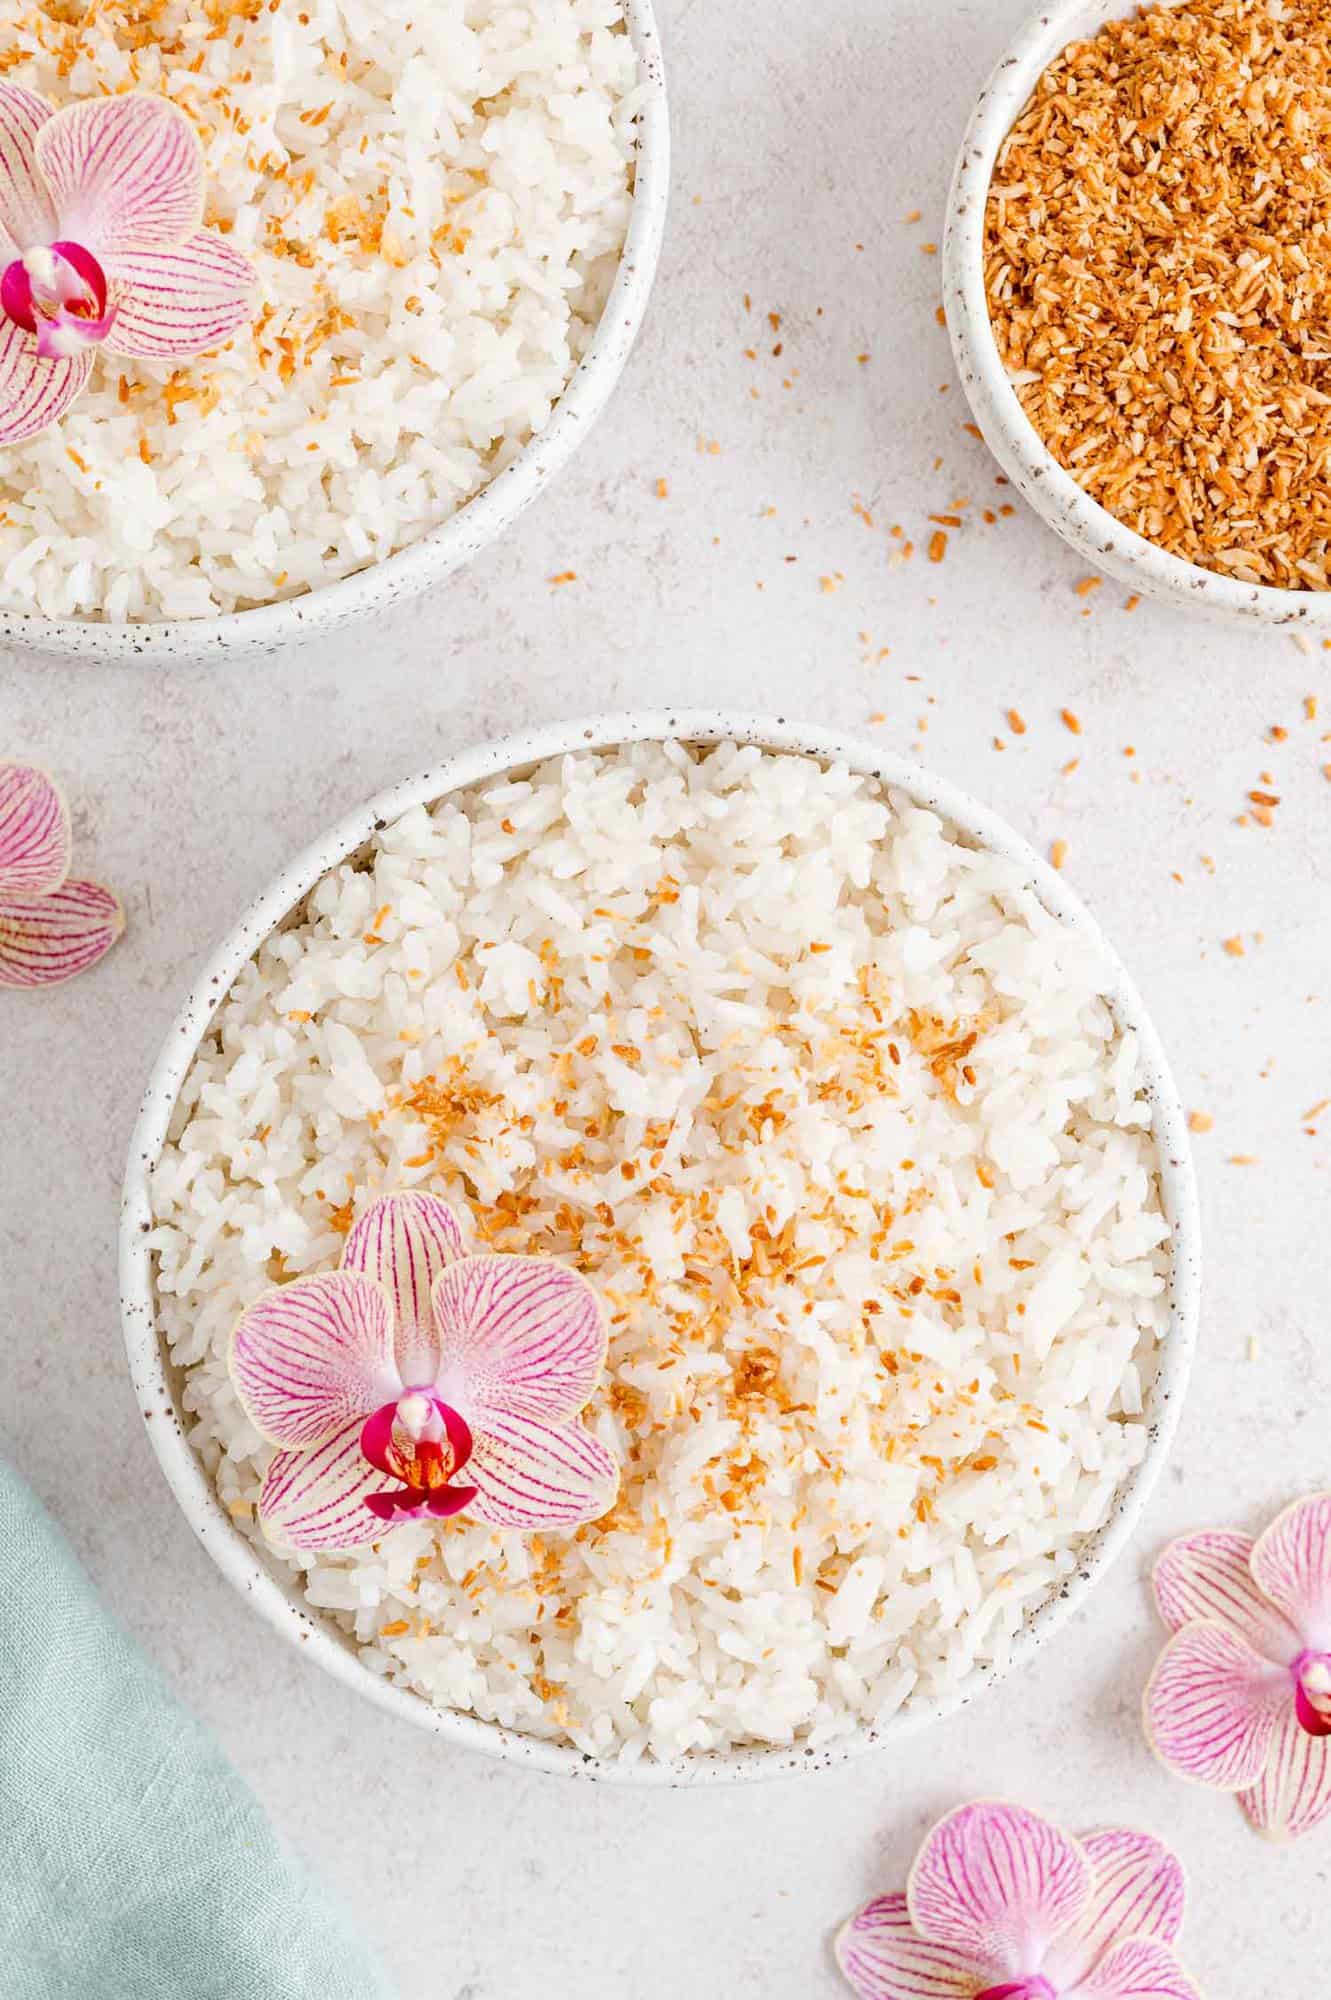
(1291, 1563)
(524, 1336)
(34, 834)
(1293, 1794)
(124, 173)
(26, 213)
(534, 1475)
(1208, 1577)
(885, 1958)
(404, 1241)
(1212, 1705)
(994, 1881)
(319, 1499)
(308, 1358)
(1137, 1891)
(1137, 1970)
(35, 389)
(181, 300)
(65, 933)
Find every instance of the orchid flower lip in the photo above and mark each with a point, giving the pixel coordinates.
(55, 283)
(1034, 1988)
(436, 1444)
(435, 1441)
(16, 295)
(1312, 1692)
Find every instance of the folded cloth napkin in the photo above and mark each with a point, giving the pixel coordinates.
(134, 1864)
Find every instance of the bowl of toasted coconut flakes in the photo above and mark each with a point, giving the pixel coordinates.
(1137, 306)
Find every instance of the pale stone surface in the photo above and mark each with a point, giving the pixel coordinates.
(802, 133)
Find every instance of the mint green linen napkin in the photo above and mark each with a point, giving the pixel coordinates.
(134, 1864)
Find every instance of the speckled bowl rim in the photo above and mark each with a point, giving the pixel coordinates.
(271, 627)
(1008, 431)
(157, 1381)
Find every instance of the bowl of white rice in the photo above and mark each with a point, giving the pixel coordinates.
(836, 1094)
(454, 211)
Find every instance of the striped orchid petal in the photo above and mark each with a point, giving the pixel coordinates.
(124, 173)
(35, 389)
(1212, 1706)
(1291, 1563)
(1293, 1794)
(1138, 1970)
(404, 1241)
(313, 1356)
(45, 942)
(317, 1499)
(522, 1336)
(26, 213)
(996, 1882)
(34, 834)
(179, 300)
(1137, 1891)
(532, 1475)
(1209, 1577)
(885, 1958)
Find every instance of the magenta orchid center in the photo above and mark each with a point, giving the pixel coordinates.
(60, 294)
(1036, 1988)
(1312, 1692)
(422, 1442)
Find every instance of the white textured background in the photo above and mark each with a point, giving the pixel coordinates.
(805, 134)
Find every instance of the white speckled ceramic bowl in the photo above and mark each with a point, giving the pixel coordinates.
(158, 1383)
(270, 627)
(1008, 431)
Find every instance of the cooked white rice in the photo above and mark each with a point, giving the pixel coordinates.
(435, 193)
(884, 1304)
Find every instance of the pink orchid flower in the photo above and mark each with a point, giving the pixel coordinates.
(413, 1363)
(1241, 1696)
(101, 246)
(50, 927)
(1002, 1905)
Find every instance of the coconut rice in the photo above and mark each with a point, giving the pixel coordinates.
(436, 195)
(837, 1118)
